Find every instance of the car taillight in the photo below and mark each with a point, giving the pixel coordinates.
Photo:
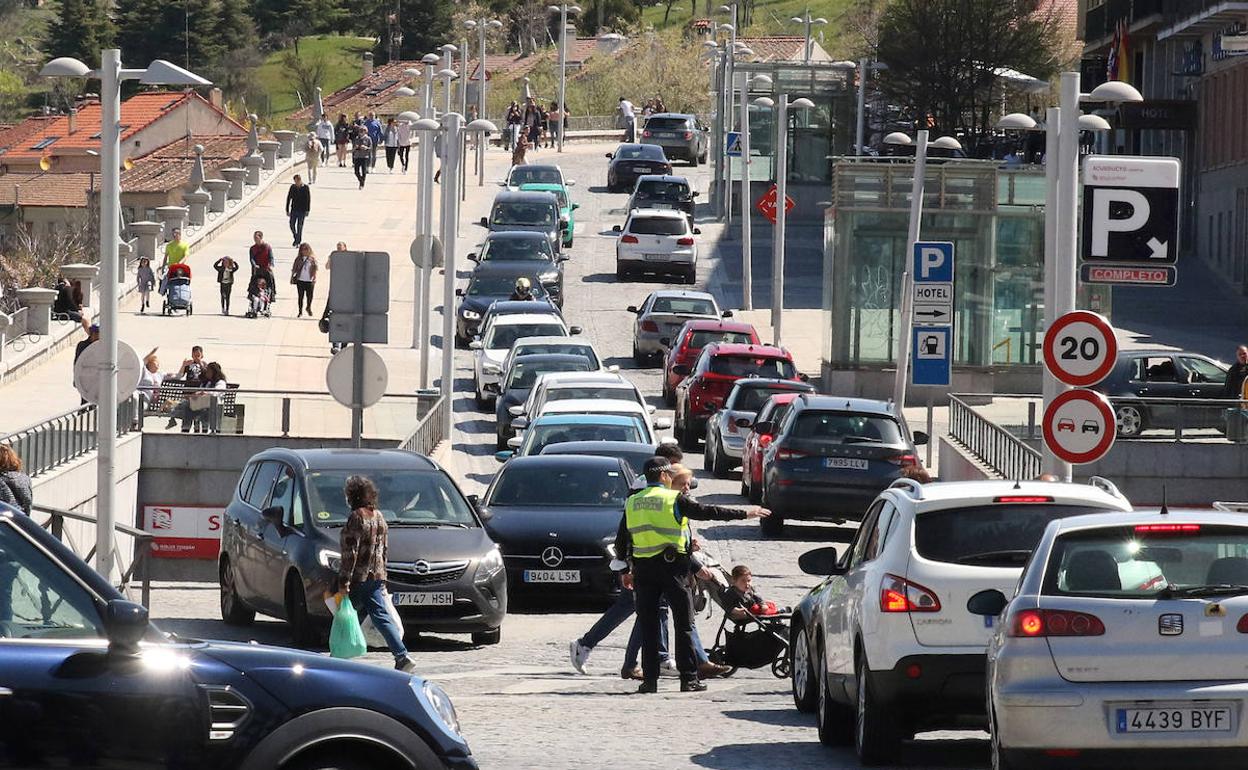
(1167, 528)
(764, 440)
(900, 595)
(1242, 625)
(685, 242)
(688, 135)
(667, 168)
(629, 239)
(905, 460)
(1022, 499)
(649, 326)
(783, 453)
(1044, 623)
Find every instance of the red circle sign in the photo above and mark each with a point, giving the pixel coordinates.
(1079, 426)
(1080, 348)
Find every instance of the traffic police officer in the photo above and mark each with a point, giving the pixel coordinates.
(657, 522)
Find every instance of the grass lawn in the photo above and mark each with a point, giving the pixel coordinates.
(343, 55)
(771, 17)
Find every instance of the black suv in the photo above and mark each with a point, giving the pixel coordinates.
(87, 681)
(1168, 374)
(663, 191)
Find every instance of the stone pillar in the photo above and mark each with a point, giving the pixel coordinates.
(147, 238)
(197, 207)
(268, 151)
(84, 274)
(38, 303)
(5, 323)
(125, 253)
(235, 176)
(286, 143)
(216, 191)
(171, 217)
(252, 164)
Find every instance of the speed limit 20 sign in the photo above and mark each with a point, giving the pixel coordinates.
(1080, 348)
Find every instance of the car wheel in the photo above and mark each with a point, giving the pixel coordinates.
(1130, 420)
(669, 395)
(802, 677)
(301, 629)
(835, 722)
(492, 636)
(688, 436)
(718, 462)
(621, 274)
(875, 739)
(639, 360)
(233, 611)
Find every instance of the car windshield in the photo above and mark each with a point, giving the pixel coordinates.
(503, 337)
(523, 374)
(417, 498)
(636, 460)
(622, 393)
(570, 348)
(700, 339)
(640, 152)
(753, 366)
(552, 486)
(501, 285)
(1146, 561)
(545, 435)
(668, 124)
(521, 175)
(525, 214)
(1001, 535)
(517, 248)
(663, 191)
(752, 398)
(846, 428)
(657, 225)
(684, 306)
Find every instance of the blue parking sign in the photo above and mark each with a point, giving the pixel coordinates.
(931, 355)
(933, 262)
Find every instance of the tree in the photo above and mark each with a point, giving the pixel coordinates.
(185, 33)
(307, 72)
(943, 55)
(611, 14)
(235, 66)
(424, 24)
(302, 17)
(81, 30)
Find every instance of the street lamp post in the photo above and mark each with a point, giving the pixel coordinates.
(782, 183)
(563, 10)
(482, 27)
(747, 230)
(448, 74)
(807, 21)
(726, 100)
(111, 75)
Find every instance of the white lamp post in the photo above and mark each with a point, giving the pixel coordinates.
(447, 73)
(782, 183)
(807, 21)
(111, 75)
(726, 101)
(563, 10)
(747, 230)
(482, 27)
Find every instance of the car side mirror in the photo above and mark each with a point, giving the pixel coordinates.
(514, 442)
(764, 428)
(920, 438)
(575, 206)
(520, 422)
(274, 515)
(697, 231)
(743, 422)
(663, 423)
(803, 377)
(681, 370)
(492, 387)
(989, 602)
(485, 221)
(821, 562)
(570, 183)
(726, 314)
(665, 341)
(516, 411)
(574, 330)
(459, 292)
(610, 155)
(616, 228)
(632, 309)
(474, 501)
(504, 455)
(125, 624)
(474, 345)
(613, 368)
(562, 258)
(473, 257)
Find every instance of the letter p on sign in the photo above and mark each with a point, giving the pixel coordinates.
(933, 262)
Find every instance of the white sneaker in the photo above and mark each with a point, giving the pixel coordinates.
(668, 668)
(578, 653)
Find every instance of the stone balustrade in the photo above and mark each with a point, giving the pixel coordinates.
(217, 189)
(38, 303)
(236, 177)
(286, 143)
(173, 218)
(197, 207)
(253, 164)
(147, 238)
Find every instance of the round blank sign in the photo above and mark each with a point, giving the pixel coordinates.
(340, 373)
(87, 372)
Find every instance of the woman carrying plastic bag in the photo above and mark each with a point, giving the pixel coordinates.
(346, 637)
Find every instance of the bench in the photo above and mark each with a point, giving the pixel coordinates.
(227, 414)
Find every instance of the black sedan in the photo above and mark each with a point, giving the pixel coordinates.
(1175, 375)
(520, 378)
(523, 246)
(492, 282)
(280, 543)
(630, 161)
(555, 517)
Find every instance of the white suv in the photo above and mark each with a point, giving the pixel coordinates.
(885, 646)
(656, 241)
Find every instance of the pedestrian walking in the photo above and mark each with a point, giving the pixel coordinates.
(532, 122)
(391, 137)
(146, 280)
(342, 138)
(298, 204)
(226, 268)
(14, 483)
(363, 545)
(512, 120)
(405, 142)
(312, 156)
(261, 257)
(175, 250)
(325, 135)
(303, 276)
(361, 152)
(625, 120)
(655, 533)
(554, 123)
(375, 136)
(1237, 376)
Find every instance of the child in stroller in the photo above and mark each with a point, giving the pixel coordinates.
(259, 295)
(176, 286)
(759, 632)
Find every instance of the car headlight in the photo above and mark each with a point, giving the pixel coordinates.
(611, 550)
(489, 566)
(329, 559)
(469, 315)
(436, 699)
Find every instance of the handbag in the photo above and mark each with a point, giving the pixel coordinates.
(346, 638)
(198, 402)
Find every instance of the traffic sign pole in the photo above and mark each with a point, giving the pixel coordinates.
(1050, 388)
(916, 216)
(777, 252)
(747, 230)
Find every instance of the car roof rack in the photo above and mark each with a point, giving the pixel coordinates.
(1229, 507)
(1105, 485)
(912, 487)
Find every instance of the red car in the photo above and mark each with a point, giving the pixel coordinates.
(709, 381)
(772, 411)
(684, 347)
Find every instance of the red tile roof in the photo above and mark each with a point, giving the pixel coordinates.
(15, 135)
(775, 47)
(169, 167)
(37, 189)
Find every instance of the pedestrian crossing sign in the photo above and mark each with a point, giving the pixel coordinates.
(734, 144)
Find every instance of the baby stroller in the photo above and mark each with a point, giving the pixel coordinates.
(755, 641)
(258, 299)
(177, 290)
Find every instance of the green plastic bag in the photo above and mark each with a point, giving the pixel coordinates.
(346, 638)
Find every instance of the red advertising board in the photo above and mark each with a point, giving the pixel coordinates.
(184, 531)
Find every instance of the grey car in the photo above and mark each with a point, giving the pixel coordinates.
(663, 313)
(726, 430)
(526, 211)
(679, 134)
(280, 543)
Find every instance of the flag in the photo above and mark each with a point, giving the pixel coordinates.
(1111, 63)
(1124, 52)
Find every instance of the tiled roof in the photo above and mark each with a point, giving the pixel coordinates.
(137, 112)
(69, 190)
(778, 47)
(169, 167)
(15, 135)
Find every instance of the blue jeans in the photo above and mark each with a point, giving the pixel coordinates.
(296, 225)
(613, 618)
(368, 597)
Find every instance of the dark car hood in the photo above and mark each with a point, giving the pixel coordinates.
(437, 544)
(510, 397)
(573, 524)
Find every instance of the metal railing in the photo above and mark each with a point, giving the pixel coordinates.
(137, 569)
(996, 447)
(428, 432)
(68, 436)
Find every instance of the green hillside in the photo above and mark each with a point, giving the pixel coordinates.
(771, 17)
(342, 58)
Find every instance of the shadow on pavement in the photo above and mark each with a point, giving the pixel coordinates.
(934, 753)
(789, 717)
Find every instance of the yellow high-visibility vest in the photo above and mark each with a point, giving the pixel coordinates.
(650, 516)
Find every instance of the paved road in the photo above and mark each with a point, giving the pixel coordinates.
(520, 702)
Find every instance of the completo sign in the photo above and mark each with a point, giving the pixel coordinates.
(1165, 275)
(184, 531)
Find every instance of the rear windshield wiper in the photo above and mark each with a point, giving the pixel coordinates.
(861, 440)
(1172, 591)
(1017, 555)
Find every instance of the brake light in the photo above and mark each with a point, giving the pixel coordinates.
(900, 595)
(1044, 623)
(684, 241)
(904, 460)
(688, 135)
(1022, 499)
(1242, 625)
(649, 326)
(790, 454)
(1167, 527)
(764, 440)
(629, 239)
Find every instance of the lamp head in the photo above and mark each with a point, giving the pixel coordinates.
(448, 48)
(744, 51)
(765, 101)
(727, 27)
(427, 124)
(431, 58)
(1016, 121)
(470, 24)
(819, 20)
(404, 91)
(1114, 91)
(1093, 123)
(946, 143)
(161, 72)
(411, 72)
(481, 124)
(448, 73)
(760, 79)
(801, 104)
(64, 67)
(710, 45)
(45, 163)
(409, 116)
(797, 20)
(898, 138)
(494, 24)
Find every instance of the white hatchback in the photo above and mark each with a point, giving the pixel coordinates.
(569, 386)
(490, 348)
(626, 407)
(886, 646)
(656, 241)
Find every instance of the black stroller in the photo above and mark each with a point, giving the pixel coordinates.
(754, 641)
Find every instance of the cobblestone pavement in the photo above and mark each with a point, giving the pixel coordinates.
(520, 702)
